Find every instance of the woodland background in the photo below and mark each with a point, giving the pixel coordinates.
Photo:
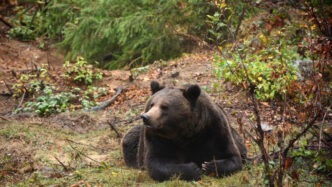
(75, 76)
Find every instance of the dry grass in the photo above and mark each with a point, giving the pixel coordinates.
(42, 154)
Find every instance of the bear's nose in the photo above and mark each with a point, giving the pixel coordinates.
(145, 118)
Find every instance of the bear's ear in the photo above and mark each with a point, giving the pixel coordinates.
(192, 93)
(155, 87)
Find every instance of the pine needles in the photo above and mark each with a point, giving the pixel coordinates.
(130, 32)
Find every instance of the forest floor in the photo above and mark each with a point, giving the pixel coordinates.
(79, 148)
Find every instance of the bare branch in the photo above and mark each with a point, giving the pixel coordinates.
(61, 163)
(105, 104)
(298, 136)
(321, 130)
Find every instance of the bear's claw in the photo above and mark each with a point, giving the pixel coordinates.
(208, 167)
(204, 166)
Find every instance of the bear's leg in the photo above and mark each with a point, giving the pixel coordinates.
(222, 167)
(130, 146)
(163, 169)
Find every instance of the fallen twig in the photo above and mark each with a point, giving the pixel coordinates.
(4, 118)
(105, 104)
(5, 22)
(61, 163)
(82, 144)
(21, 102)
(118, 134)
(81, 153)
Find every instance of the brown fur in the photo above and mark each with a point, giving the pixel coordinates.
(185, 133)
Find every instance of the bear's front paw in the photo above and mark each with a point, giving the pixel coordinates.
(196, 169)
(192, 172)
(209, 168)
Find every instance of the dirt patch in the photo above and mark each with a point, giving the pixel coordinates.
(80, 122)
(16, 58)
(21, 55)
(16, 160)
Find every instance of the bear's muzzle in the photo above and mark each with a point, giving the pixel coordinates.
(146, 119)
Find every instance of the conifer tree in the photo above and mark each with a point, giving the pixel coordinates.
(134, 32)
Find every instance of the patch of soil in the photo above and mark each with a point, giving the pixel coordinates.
(16, 160)
(16, 58)
(79, 122)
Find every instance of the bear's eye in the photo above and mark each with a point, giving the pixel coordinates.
(164, 107)
(151, 105)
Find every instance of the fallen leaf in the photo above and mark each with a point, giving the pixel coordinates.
(55, 175)
(288, 162)
(212, 174)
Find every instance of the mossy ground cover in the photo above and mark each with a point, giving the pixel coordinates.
(43, 154)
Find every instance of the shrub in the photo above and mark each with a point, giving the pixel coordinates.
(81, 71)
(272, 71)
(32, 82)
(49, 102)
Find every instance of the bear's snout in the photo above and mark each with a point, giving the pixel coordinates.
(145, 118)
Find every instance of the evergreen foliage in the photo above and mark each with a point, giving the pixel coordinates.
(134, 32)
(54, 16)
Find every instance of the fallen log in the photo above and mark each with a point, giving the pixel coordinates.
(107, 103)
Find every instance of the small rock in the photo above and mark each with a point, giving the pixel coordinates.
(266, 127)
(176, 74)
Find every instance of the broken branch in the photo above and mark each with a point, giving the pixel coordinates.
(107, 103)
(118, 134)
(62, 164)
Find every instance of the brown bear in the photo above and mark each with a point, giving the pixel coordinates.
(185, 134)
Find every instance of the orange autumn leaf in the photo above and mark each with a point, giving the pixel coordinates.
(288, 162)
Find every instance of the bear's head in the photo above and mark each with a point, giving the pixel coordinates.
(169, 111)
